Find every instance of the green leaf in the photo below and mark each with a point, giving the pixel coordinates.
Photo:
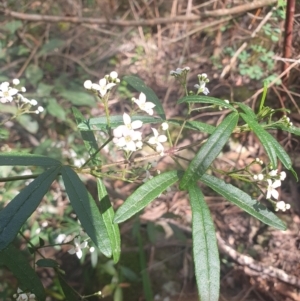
(25, 159)
(68, 291)
(12, 26)
(87, 211)
(140, 86)
(244, 201)
(20, 266)
(78, 98)
(145, 194)
(263, 136)
(205, 248)
(271, 145)
(247, 110)
(108, 214)
(205, 99)
(14, 215)
(100, 123)
(54, 109)
(291, 129)
(44, 89)
(52, 44)
(28, 123)
(88, 137)
(47, 263)
(34, 74)
(147, 289)
(194, 125)
(209, 151)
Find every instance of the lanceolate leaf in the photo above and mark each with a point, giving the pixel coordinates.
(271, 145)
(146, 194)
(205, 248)
(100, 123)
(206, 99)
(19, 265)
(194, 125)
(209, 151)
(108, 214)
(88, 137)
(244, 201)
(24, 159)
(87, 211)
(140, 86)
(247, 110)
(14, 215)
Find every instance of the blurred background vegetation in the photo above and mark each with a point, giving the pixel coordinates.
(53, 57)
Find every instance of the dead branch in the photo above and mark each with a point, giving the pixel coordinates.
(255, 265)
(156, 21)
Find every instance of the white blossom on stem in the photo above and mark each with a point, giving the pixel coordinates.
(128, 125)
(158, 140)
(271, 190)
(143, 105)
(129, 141)
(7, 93)
(78, 246)
(103, 86)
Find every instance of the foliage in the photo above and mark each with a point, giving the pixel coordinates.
(123, 132)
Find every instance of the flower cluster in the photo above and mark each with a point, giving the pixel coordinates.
(203, 80)
(21, 296)
(9, 94)
(126, 137)
(180, 72)
(287, 121)
(282, 206)
(105, 84)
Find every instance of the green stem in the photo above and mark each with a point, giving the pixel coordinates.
(97, 151)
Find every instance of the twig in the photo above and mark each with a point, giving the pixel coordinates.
(255, 265)
(239, 9)
(191, 18)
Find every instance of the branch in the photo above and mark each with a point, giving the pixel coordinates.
(103, 21)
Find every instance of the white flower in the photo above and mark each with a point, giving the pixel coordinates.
(33, 102)
(201, 88)
(23, 89)
(164, 126)
(15, 81)
(271, 190)
(7, 93)
(158, 140)
(127, 141)
(143, 105)
(103, 86)
(78, 247)
(128, 125)
(226, 100)
(282, 176)
(273, 173)
(20, 296)
(113, 75)
(179, 71)
(88, 84)
(40, 109)
(259, 177)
